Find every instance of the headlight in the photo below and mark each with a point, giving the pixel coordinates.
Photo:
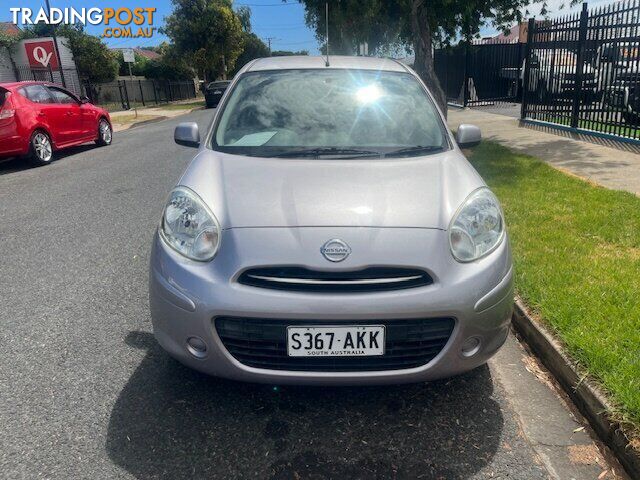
(189, 227)
(478, 226)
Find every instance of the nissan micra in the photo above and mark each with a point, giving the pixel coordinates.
(329, 230)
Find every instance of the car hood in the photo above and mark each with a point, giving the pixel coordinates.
(243, 192)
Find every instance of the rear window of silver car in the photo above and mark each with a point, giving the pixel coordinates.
(274, 112)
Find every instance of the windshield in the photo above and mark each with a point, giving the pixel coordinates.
(329, 112)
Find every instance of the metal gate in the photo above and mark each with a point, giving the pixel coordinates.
(479, 74)
(583, 71)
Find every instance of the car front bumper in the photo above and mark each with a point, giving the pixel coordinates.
(186, 297)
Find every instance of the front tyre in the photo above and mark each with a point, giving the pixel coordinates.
(40, 149)
(105, 133)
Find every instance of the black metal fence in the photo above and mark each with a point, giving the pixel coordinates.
(475, 74)
(123, 94)
(583, 71)
(116, 95)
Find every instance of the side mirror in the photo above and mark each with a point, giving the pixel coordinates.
(468, 135)
(85, 100)
(187, 134)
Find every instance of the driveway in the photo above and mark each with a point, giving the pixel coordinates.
(85, 391)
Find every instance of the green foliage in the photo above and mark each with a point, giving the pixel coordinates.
(7, 41)
(171, 65)
(253, 48)
(95, 62)
(244, 14)
(209, 32)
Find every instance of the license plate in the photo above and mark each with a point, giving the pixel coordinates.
(335, 341)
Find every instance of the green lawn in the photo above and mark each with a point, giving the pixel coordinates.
(577, 256)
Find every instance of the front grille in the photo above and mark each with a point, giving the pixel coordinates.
(262, 343)
(300, 279)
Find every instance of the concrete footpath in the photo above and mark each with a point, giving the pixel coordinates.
(614, 168)
(125, 119)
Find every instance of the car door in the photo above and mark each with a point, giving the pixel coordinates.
(45, 111)
(70, 115)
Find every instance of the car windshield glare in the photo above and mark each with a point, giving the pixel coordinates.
(329, 112)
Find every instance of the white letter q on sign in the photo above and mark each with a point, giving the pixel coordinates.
(41, 56)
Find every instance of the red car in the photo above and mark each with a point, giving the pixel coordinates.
(37, 118)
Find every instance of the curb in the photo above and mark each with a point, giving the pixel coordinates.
(582, 391)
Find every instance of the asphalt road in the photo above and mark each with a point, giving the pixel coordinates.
(86, 392)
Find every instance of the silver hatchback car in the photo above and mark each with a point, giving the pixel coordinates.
(330, 231)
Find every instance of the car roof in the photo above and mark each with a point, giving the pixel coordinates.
(335, 62)
(16, 85)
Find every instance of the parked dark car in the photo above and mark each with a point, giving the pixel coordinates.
(38, 118)
(213, 92)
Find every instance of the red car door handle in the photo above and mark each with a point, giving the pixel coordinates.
(69, 114)
(41, 114)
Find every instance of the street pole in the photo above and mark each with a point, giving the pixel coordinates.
(269, 39)
(55, 47)
(135, 109)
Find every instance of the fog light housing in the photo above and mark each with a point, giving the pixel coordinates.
(470, 346)
(197, 347)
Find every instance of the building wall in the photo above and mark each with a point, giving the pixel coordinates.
(7, 73)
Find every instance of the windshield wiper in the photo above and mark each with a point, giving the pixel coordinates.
(315, 152)
(416, 149)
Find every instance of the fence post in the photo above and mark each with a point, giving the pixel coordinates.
(141, 94)
(577, 89)
(527, 68)
(155, 92)
(467, 61)
(124, 98)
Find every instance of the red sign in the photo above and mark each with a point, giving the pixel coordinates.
(42, 54)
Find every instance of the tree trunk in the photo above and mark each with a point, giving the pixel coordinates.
(423, 49)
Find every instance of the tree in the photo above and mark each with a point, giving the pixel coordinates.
(412, 24)
(208, 32)
(253, 48)
(170, 66)
(94, 61)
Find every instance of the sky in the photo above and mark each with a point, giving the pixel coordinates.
(283, 22)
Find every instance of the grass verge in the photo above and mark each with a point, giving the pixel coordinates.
(576, 251)
(182, 106)
(131, 118)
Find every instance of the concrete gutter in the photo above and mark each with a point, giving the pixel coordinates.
(584, 393)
